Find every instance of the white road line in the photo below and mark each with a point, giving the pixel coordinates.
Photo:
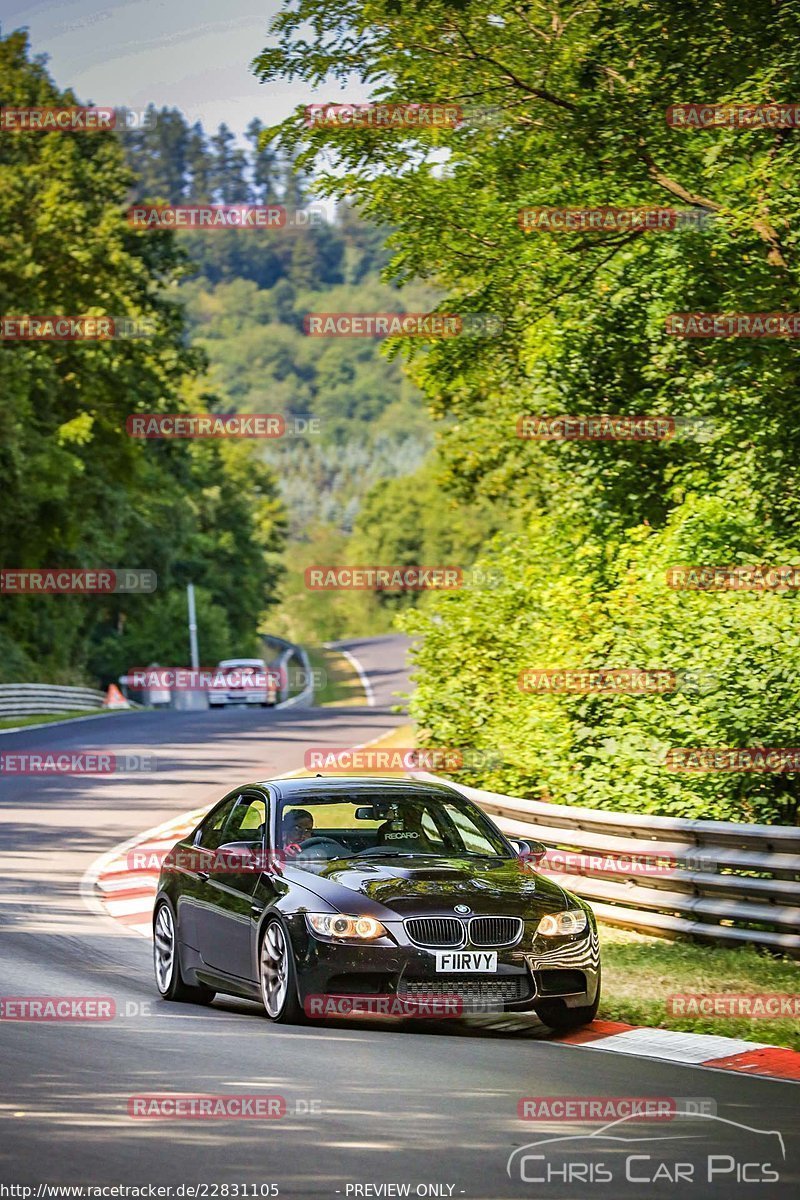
(362, 674)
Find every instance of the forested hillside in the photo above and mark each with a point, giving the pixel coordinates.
(359, 485)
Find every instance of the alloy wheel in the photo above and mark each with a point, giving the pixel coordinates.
(274, 969)
(164, 948)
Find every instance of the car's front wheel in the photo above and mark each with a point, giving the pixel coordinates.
(278, 975)
(561, 1019)
(166, 961)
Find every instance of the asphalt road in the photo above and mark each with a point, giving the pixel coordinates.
(430, 1109)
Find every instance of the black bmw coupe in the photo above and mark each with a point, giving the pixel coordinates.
(305, 892)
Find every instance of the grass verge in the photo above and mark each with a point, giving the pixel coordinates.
(640, 973)
(49, 718)
(341, 685)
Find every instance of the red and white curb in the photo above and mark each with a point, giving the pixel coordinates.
(692, 1049)
(116, 888)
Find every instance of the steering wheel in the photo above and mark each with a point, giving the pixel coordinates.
(323, 842)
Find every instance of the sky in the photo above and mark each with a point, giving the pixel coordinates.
(193, 55)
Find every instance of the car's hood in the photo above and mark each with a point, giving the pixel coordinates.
(429, 886)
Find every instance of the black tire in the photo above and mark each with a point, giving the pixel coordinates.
(278, 989)
(561, 1019)
(167, 962)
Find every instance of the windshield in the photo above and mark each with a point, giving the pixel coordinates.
(323, 829)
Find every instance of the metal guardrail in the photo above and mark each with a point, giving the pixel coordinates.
(716, 881)
(305, 696)
(38, 699)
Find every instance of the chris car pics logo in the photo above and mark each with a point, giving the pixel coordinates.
(697, 1149)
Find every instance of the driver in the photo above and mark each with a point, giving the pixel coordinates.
(298, 826)
(302, 844)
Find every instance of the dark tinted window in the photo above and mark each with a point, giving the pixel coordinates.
(212, 833)
(247, 820)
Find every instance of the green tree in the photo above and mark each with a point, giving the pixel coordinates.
(573, 101)
(199, 164)
(228, 178)
(78, 490)
(263, 164)
(158, 154)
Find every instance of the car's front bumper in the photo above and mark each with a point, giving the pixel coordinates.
(526, 974)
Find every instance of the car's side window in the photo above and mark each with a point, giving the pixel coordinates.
(246, 819)
(212, 833)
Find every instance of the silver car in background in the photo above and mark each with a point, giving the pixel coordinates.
(246, 681)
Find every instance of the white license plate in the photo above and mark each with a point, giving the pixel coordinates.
(472, 962)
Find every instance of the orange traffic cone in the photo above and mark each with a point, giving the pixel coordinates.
(114, 698)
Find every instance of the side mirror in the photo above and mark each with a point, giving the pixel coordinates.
(532, 851)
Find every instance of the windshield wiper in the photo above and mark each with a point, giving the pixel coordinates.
(475, 854)
(397, 854)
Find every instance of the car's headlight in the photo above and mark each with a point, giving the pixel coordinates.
(339, 925)
(562, 924)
